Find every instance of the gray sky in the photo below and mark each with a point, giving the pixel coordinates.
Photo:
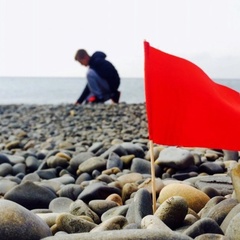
(41, 37)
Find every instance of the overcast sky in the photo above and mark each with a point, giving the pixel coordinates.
(41, 37)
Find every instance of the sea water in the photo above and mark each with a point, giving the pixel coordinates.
(54, 90)
(64, 90)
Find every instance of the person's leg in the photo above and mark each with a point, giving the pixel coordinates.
(98, 86)
(116, 96)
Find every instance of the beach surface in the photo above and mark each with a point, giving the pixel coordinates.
(77, 172)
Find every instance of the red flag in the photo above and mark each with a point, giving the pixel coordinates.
(185, 107)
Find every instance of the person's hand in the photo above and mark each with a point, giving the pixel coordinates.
(77, 103)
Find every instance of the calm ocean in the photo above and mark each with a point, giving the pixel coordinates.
(54, 90)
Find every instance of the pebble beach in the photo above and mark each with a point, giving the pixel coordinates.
(70, 172)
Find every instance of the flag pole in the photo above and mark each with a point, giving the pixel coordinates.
(153, 176)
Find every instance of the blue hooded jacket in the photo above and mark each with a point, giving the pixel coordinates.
(105, 70)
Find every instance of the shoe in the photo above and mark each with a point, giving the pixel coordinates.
(116, 97)
(92, 99)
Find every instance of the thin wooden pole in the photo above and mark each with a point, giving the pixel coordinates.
(153, 176)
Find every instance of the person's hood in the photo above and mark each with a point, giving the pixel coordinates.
(99, 54)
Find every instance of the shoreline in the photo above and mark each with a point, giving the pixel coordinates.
(96, 158)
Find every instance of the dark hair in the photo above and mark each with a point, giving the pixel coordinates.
(81, 54)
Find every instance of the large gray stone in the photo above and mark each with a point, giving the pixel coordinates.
(97, 190)
(129, 234)
(175, 157)
(16, 222)
(30, 195)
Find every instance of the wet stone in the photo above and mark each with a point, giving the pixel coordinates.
(221, 210)
(140, 207)
(19, 168)
(154, 222)
(115, 211)
(118, 149)
(80, 158)
(211, 168)
(30, 195)
(55, 161)
(60, 204)
(173, 211)
(73, 224)
(15, 221)
(210, 204)
(230, 155)
(195, 198)
(235, 210)
(6, 185)
(223, 184)
(97, 191)
(5, 169)
(104, 178)
(70, 191)
(32, 163)
(80, 208)
(93, 163)
(31, 177)
(114, 223)
(133, 234)
(101, 206)
(233, 230)
(83, 177)
(4, 158)
(204, 225)
(134, 149)
(16, 159)
(47, 173)
(128, 189)
(115, 198)
(114, 161)
(175, 157)
(144, 167)
(183, 176)
(95, 147)
(211, 236)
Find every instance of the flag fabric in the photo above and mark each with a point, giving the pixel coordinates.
(185, 107)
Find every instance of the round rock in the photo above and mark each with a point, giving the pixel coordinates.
(79, 208)
(31, 195)
(97, 190)
(204, 225)
(101, 206)
(114, 161)
(17, 222)
(73, 224)
(114, 223)
(195, 198)
(93, 163)
(173, 211)
(70, 191)
(175, 157)
(60, 204)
